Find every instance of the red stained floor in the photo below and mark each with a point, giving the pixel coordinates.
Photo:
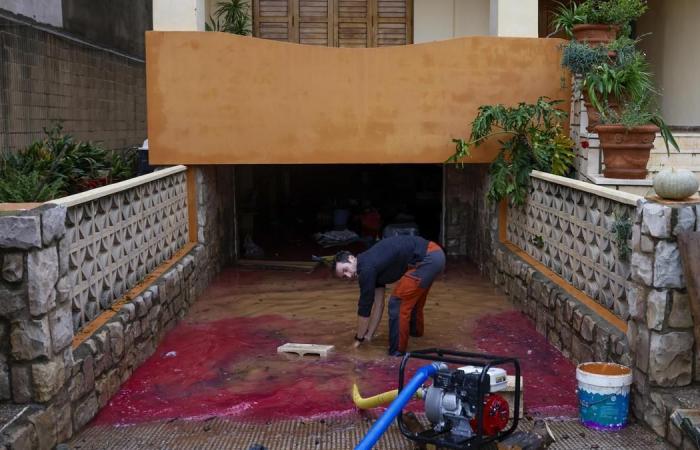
(549, 378)
(222, 360)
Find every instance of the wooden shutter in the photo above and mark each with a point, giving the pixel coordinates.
(341, 23)
(272, 19)
(393, 23)
(353, 23)
(315, 25)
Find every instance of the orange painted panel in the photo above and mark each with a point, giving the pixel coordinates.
(216, 98)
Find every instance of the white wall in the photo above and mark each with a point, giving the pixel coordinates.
(179, 15)
(673, 49)
(514, 18)
(43, 11)
(435, 20)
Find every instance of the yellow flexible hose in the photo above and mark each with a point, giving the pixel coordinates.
(377, 400)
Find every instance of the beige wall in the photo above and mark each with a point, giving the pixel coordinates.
(436, 20)
(673, 49)
(305, 104)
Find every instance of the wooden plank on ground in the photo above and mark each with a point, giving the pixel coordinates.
(306, 349)
(305, 266)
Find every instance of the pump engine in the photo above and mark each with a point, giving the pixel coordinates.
(462, 404)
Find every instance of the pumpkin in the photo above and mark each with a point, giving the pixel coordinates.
(675, 184)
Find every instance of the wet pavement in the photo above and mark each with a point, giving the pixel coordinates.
(221, 364)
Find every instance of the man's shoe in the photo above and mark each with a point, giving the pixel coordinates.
(396, 353)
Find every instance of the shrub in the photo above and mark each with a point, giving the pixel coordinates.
(536, 141)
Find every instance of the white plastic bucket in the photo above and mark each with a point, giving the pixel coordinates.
(603, 394)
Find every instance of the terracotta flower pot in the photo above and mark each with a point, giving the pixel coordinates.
(595, 35)
(626, 150)
(594, 115)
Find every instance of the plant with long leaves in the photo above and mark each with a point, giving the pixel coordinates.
(535, 141)
(232, 16)
(606, 12)
(619, 82)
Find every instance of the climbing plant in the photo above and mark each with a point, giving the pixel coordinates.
(622, 232)
(533, 140)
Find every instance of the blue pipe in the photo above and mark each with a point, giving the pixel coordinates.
(396, 407)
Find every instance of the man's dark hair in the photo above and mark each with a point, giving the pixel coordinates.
(340, 257)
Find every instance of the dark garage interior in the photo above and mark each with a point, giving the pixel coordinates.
(291, 212)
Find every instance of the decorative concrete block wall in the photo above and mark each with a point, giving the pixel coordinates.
(661, 323)
(73, 258)
(570, 231)
(114, 240)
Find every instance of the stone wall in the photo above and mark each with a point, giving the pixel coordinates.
(49, 387)
(44, 78)
(661, 324)
(215, 217)
(570, 231)
(115, 239)
(571, 326)
(659, 343)
(471, 221)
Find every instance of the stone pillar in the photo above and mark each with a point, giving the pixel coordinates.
(514, 18)
(587, 162)
(179, 15)
(35, 313)
(660, 325)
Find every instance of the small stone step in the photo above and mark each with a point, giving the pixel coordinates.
(306, 349)
(688, 420)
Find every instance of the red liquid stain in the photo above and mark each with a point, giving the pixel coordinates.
(549, 378)
(230, 368)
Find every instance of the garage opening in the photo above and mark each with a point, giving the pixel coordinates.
(294, 212)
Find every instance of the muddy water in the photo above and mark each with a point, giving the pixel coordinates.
(222, 360)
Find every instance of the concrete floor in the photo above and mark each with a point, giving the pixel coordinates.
(220, 366)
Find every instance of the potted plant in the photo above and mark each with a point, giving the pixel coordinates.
(534, 139)
(627, 137)
(598, 22)
(609, 84)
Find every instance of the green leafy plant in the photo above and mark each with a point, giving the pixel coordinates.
(122, 165)
(58, 165)
(566, 16)
(17, 187)
(606, 12)
(619, 82)
(537, 241)
(581, 58)
(637, 112)
(535, 141)
(232, 16)
(622, 232)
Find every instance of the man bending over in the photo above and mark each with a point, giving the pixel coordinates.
(412, 261)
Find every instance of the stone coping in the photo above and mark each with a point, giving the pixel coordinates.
(103, 191)
(618, 196)
(603, 181)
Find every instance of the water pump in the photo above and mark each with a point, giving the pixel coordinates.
(462, 403)
(451, 401)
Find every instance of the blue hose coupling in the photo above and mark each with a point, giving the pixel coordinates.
(406, 394)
